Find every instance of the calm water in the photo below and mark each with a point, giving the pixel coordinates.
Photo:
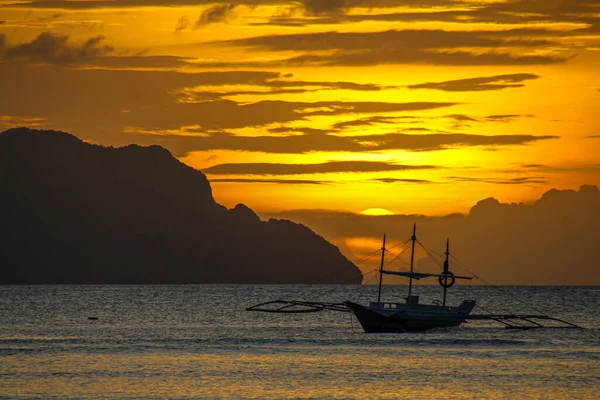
(197, 341)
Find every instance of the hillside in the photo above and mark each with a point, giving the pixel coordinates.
(72, 212)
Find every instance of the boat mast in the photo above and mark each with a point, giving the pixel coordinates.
(381, 269)
(446, 268)
(412, 257)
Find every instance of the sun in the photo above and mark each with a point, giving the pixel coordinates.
(376, 211)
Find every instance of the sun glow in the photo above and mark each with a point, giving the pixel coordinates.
(377, 211)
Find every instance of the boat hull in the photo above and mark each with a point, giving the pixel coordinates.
(376, 322)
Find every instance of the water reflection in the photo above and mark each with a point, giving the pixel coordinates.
(197, 342)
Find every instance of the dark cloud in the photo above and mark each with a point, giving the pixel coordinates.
(135, 62)
(340, 7)
(319, 7)
(391, 39)
(562, 168)
(216, 13)
(368, 121)
(339, 18)
(391, 56)
(460, 117)
(315, 7)
(300, 169)
(182, 24)
(196, 96)
(593, 137)
(273, 181)
(151, 102)
(507, 12)
(301, 144)
(495, 82)
(276, 84)
(393, 47)
(399, 56)
(399, 180)
(144, 105)
(541, 10)
(502, 181)
(93, 4)
(58, 21)
(503, 243)
(318, 108)
(506, 117)
(305, 12)
(330, 85)
(303, 130)
(48, 48)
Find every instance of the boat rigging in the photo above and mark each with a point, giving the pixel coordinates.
(380, 317)
(411, 315)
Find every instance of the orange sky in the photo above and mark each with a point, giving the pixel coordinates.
(343, 105)
(442, 104)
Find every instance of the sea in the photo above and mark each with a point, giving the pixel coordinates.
(199, 342)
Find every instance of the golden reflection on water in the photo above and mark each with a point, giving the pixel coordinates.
(291, 373)
(164, 342)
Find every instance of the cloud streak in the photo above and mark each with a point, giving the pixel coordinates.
(421, 46)
(391, 39)
(495, 82)
(151, 102)
(301, 169)
(500, 181)
(303, 144)
(508, 12)
(313, 7)
(269, 84)
(98, 4)
(271, 181)
(403, 180)
(48, 48)
(216, 13)
(58, 50)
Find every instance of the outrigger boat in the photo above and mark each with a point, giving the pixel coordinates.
(379, 317)
(411, 316)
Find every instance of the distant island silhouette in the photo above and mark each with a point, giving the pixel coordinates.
(73, 212)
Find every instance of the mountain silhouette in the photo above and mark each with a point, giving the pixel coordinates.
(73, 212)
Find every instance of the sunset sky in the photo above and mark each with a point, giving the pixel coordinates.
(345, 105)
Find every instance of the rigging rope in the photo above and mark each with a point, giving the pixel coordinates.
(368, 256)
(496, 287)
(398, 255)
(435, 257)
(432, 253)
(373, 277)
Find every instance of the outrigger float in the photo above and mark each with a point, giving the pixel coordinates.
(412, 316)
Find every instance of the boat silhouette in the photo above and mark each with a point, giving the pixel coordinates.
(410, 316)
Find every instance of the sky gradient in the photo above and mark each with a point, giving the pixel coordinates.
(415, 107)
